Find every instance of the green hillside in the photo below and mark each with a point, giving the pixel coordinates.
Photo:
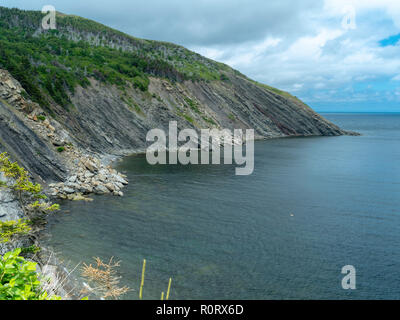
(50, 64)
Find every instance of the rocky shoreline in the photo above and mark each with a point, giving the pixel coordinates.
(90, 177)
(83, 174)
(86, 174)
(58, 280)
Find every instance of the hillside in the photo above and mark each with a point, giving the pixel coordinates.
(102, 90)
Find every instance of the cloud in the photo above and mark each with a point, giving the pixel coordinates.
(331, 63)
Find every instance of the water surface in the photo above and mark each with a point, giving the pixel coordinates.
(312, 206)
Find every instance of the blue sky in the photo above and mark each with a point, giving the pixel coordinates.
(336, 55)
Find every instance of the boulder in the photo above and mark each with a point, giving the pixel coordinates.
(72, 185)
(88, 174)
(101, 178)
(91, 166)
(58, 143)
(86, 189)
(119, 185)
(68, 190)
(119, 179)
(110, 187)
(100, 189)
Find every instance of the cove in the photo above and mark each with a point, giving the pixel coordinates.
(312, 206)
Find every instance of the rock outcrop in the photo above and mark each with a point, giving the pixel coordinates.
(66, 150)
(48, 151)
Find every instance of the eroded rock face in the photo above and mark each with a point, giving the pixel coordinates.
(107, 121)
(10, 208)
(19, 136)
(47, 150)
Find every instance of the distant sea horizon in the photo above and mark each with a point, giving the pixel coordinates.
(359, 112)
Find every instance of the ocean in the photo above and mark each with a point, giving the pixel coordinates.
(312, 206)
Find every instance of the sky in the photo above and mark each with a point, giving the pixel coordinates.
(336, 55)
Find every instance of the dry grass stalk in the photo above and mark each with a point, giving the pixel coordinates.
(142, 281)
(104, 275)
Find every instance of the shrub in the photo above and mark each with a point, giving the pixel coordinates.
(19, 279)
(19, 176)
(141, 82)
(138, 110)
(223, 77)
(210, 121)
(18, 181)
(31, 249)
(60, 149)
(193, 105)
(11, 229)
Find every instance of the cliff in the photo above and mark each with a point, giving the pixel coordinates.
(92, 91)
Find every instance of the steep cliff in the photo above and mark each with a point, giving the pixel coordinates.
(100, 92)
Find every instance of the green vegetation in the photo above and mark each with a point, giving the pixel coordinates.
(41, 118)
(31, 249)
(193, 105)
(49, 65)
(61, 149)
(185, 116)
(224, 77)
(19, 279)
(10, 229)
(138, 110)
(210, 121)
(281, 93)
(30, 196)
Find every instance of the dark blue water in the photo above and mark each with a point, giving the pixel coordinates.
(312, 206)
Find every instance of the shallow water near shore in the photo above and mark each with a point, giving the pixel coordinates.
(312, 206)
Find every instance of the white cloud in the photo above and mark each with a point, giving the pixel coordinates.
(329, 63)
(243, 55)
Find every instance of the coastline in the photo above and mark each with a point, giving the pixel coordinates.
(62, 279)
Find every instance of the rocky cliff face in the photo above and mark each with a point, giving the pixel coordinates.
(18, 136)
(48, 150)
(112, 121)
(108, 120)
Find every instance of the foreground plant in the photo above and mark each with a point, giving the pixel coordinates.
(104, 275)
(10, 229)
(19, 279)
(27, 191)
(32, 201)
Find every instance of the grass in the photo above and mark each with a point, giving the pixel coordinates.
(185, 116)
